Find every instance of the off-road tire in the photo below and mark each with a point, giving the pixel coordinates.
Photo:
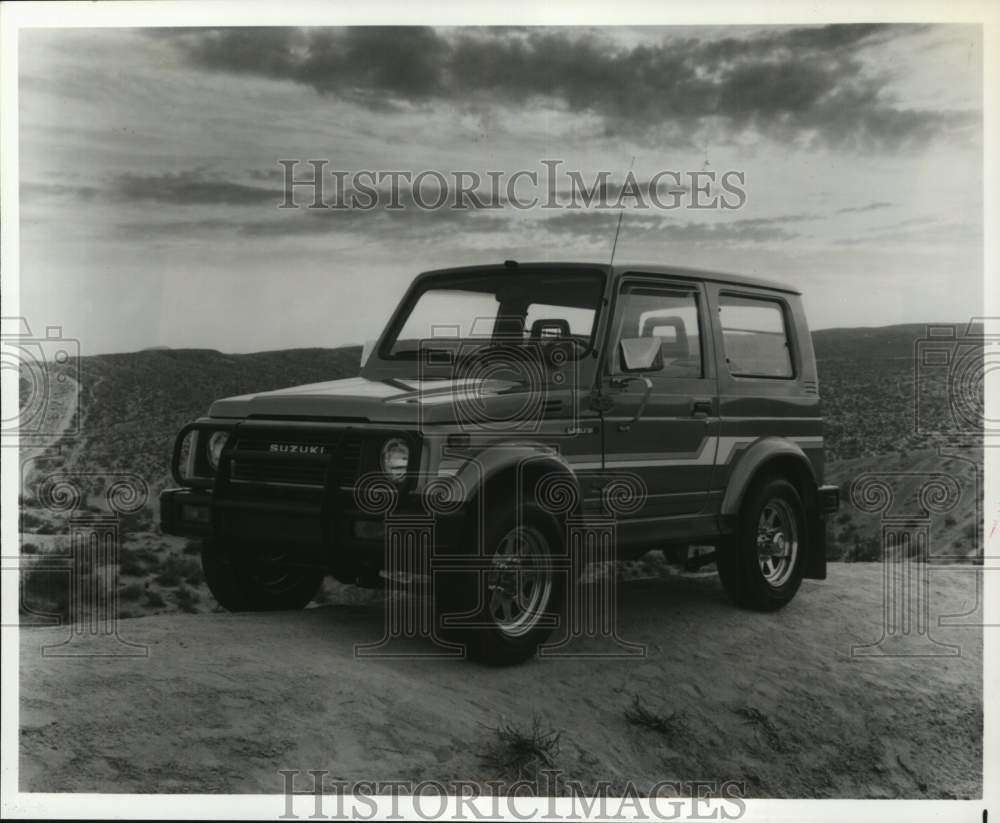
(737, 557)
(463, 600)
(242, 582)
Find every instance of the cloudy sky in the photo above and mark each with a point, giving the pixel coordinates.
(150, 181)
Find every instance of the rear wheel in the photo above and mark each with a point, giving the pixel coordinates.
(257, 578)
(507, 610)
(761, 567)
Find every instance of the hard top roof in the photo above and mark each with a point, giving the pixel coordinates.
(619, 269)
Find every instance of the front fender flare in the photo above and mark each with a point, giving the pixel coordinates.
(480, 469)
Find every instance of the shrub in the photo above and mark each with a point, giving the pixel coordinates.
(194, 574)
(29, 521)
(865, 550)
(834, 550)
(45, 527)
(154, 600)
(130, 564)
(187, 599)
(518, 754)
(29, 548)
(140, 521)
(177, 568)
(638, 715)
(169, 575)
(131, 592)
(761, 722)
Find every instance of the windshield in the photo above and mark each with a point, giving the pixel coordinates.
(451, 317)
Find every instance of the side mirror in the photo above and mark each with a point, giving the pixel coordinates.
(366, 351)
(640, 354)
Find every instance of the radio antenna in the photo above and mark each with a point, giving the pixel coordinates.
(621, 214)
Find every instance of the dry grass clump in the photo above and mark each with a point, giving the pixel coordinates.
(517, 753)
(639, 715)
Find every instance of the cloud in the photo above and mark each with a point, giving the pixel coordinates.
(185, 188)
(190, 188)
(803, 84)
(596, 226)
(151, 230)
(881, 204)
(921, 231)
(404, 224)
(32, 191)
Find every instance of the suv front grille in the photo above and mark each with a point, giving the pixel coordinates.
(303, 464)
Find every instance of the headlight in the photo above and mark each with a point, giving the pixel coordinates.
(213, 448)
(395, 459)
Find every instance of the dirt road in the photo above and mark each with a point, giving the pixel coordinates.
(223, 701)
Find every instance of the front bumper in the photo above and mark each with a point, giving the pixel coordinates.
(344, 531)
(185, 512)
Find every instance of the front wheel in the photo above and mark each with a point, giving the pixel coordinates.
(761, 567)
(507, 609)
(257, 578)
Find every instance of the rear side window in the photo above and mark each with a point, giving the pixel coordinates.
(755, 336)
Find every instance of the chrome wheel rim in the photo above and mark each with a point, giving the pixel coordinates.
(777, 541)
(519, 582)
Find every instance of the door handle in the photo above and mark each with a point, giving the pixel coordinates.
(702, 408)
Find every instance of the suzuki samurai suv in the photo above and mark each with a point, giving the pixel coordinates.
(517, 409)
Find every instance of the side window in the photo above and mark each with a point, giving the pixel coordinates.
(671, 316)
(755, 337)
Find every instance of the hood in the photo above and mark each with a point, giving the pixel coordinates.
(393, 400)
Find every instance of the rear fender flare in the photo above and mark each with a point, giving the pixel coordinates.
(791, 461)
(756, 459)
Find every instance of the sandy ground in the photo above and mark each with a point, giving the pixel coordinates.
(777, 702)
